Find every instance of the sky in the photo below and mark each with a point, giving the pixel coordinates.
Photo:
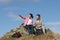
(10, 9)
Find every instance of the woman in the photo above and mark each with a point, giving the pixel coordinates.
(39, 26)
(28, 23)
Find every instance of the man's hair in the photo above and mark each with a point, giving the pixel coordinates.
(31, 15)
(38, 15)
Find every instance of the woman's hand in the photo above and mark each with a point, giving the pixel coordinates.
(20, 15)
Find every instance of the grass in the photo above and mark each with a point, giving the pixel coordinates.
(48, 36)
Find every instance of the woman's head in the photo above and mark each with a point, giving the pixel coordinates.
(38, 16)
(30, 15)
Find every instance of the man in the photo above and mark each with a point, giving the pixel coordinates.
(39, 26)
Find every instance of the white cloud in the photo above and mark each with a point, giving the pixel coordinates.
(10, 14)
(56, 24)
(13, 16)
(11, 8)
(17, 9)
(20, 1)
(5, 1)
(36, 0)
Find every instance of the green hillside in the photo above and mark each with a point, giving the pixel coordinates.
(48, 36)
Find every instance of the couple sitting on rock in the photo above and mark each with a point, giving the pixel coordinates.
(36, 27)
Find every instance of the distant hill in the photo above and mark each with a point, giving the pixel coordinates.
(48, 36)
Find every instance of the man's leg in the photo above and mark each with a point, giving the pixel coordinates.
(39, 31)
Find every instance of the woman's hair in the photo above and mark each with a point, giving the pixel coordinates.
(31, 15)
(38, 15)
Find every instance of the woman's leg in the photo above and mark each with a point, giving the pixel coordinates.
(30, 29)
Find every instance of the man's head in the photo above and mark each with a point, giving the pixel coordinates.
(30, 15)
(38, 16)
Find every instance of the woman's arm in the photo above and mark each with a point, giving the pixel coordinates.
(22, 17)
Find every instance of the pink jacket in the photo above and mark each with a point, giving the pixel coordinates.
(27, 21)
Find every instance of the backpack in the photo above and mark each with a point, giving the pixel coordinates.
(16, 35)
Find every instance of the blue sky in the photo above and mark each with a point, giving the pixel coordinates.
(10, 9)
